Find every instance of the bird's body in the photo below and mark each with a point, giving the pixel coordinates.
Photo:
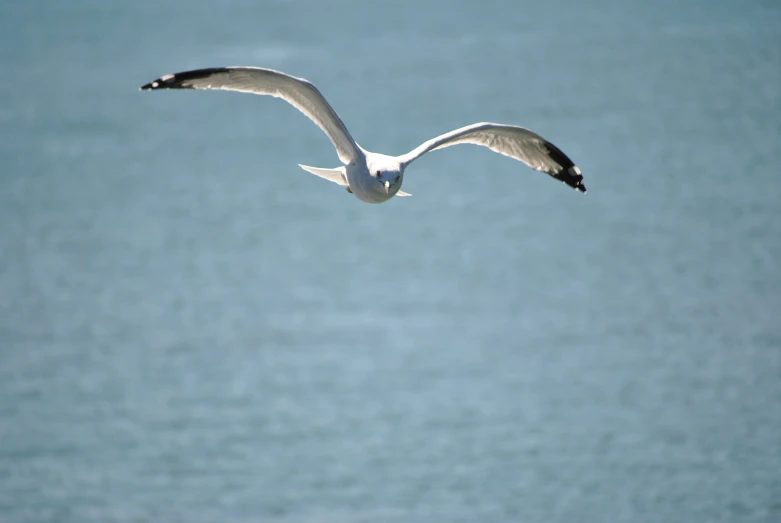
(374, 177)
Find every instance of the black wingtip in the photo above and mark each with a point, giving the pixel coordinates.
(181, 80)
(163, 82)
(569, 173)
(151, 85)
(573, 178)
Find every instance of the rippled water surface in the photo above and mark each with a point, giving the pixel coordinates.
(194, 329)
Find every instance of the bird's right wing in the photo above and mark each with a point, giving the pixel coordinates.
(298, 92)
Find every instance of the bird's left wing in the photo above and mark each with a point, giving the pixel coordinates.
(513, 141)
(298, 92)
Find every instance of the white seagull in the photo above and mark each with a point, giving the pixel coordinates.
(374, 177)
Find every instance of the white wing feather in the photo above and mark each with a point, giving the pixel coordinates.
(516, 142)
(298, 92)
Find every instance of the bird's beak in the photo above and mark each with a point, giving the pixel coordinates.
(387, 185)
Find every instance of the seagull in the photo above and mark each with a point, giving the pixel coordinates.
(373, 177)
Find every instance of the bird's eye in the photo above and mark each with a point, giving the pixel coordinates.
(377, 174)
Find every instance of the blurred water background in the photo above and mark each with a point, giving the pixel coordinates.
(193, 329)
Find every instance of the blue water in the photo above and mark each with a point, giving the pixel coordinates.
(193, 329)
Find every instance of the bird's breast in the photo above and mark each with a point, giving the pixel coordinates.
(364, 186)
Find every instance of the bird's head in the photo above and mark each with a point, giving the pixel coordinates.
(387, 173)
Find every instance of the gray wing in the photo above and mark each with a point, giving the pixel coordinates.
(516, 142)
(298, 92)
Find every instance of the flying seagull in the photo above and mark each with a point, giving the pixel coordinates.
(374, 177)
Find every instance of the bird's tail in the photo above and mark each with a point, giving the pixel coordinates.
(334, 175)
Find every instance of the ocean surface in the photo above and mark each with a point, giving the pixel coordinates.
(193, 329)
